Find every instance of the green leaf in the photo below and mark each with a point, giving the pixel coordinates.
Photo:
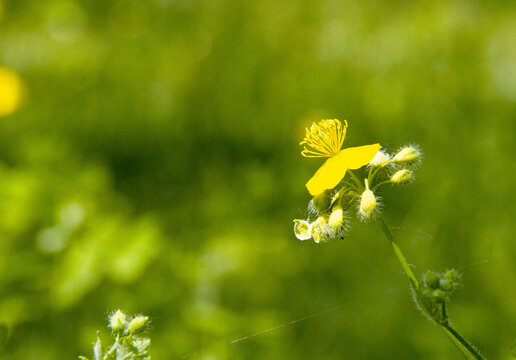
(97, 348)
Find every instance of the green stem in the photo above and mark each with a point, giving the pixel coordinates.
(355, 179)
(372, 172)
(458, 340)
(352, 186)
(464, 345)
(399, 254)
(380, 184)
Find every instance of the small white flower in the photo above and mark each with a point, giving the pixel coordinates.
(302, 229)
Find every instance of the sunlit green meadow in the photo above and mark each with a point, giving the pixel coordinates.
(150, 161)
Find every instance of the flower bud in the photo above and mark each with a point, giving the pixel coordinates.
(452, 275)
(319, 229)
(432, 280)
(446, 285)
(438, 296)
(402, 176)
(321, 202)
(427, 293)
(407, 154)
(368, 204)
(380, 159)
(118, 321)
(302, 229)
(137, 325)
(336, 219)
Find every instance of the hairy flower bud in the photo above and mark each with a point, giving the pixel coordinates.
(402, 176)
(432, 280)
(137, 325)
(321, 202)
(368, 204)
(319, 229)
(302, 229)
(381, 158)
(336, 219)
(118, 321)
(446, 285)
(438, 296)
(452, 275)
(407, 154)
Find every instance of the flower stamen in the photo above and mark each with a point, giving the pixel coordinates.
(324, 138)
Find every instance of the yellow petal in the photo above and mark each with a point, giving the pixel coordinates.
(334, 169)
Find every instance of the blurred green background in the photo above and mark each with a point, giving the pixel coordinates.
(153, 165)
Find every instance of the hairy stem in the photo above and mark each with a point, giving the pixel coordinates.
(464, 345)
(399, 254)
(468, 350)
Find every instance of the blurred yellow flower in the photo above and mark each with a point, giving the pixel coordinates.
(10, 91)
(325, 139)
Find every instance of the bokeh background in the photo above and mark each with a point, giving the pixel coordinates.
(149, 160)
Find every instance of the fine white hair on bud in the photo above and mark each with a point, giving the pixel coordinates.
(380, 159)
(321, 202)
(302, 229)
(407, 154)
(137, 324)
(336, 219)
(368, 203)
(118, 321)
(320, 229)
(402, 176)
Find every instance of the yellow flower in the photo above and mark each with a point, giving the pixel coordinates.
(10, 91)
(325, 139)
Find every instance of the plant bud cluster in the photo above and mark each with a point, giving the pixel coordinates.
(331, 211)
(436, 290)
(439, 287)
(121, 323)
(331, 217)
(129, 341)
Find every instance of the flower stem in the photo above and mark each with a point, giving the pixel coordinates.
(355, 179)
(458, 340)
(352, 186)
(380, 184)
(462, 344)
(374, 171)
(399, 254)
